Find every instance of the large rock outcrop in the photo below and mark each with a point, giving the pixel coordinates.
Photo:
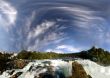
(78, 71)
(19, 63)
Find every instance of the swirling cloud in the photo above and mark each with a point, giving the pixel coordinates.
(8, 14)
(47, 25)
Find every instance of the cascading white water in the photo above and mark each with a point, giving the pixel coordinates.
(95, 70)
(40, 66)
(35, 68)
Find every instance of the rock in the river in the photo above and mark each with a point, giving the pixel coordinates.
(89, 76)
(78, 71)
(19, 63)
(16, 75)
(46, 75)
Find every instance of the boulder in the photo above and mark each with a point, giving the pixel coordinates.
(78, 71)
(16, 75)
(20, 63)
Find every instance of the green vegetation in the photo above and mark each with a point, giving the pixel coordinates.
(98, 55)
(95, 54)
(4, 60)
(36, 55)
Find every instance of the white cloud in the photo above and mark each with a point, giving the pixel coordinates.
(76, 9)
(63, 49)
(36, 32)
(68, 48)
(40, 29)
(84, 16)
(60, 40)
(29, 21)
(34, 47)
(7, 14)
(52, 38)
(88, 20)
(54, 50)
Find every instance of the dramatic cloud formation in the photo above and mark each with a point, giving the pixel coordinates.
(7, 14)
(62, 26)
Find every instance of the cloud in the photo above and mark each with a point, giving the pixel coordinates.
(36, 34)
(29, 21)
(83, 17)
(64, 49)
(40, 29)
(54, 37)
(7, 14)
(39, 37)
(48, 39)
(52, 50)
(89, 22)
(68, 48)
(43, 25)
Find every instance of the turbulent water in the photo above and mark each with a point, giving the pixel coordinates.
(33, 69)
(60, 69)
(95, 70)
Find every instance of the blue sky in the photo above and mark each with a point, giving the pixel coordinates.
(54, 25)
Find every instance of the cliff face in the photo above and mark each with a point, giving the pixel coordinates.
(78, 71)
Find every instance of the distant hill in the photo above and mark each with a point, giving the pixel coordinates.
(98, 55)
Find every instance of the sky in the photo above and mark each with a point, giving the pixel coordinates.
(62, 26)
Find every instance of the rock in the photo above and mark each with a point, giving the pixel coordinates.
(46, 75)
(19, 63)
(16, 75)
(78, 71)
(89, 76)
(11, 72)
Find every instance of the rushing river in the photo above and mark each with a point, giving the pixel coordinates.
(43, 69)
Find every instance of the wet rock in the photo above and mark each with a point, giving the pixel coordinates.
(89, 76)
(78, 71)
(16, 75)
(30, 68)
(11, 72)
(46, 75)
(20, 64)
